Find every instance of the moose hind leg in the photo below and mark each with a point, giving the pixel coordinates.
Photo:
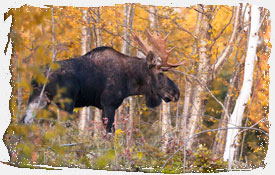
(33, 105)
(108, 118)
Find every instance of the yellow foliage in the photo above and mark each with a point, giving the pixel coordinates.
(139, 155)
(54, 66)
(49, 135)
(119, 132)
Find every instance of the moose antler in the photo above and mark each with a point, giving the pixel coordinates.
(158, 46)
(137, 39)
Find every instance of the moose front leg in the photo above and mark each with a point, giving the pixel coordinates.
(108, 117)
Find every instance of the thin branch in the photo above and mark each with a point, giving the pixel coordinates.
(262, 120)
(173, 20)
(225, 121)
(227, 51)
(221, 32)
(242, 17)
(69, 144)
(120, 35)
(209, 91)
(262, 21)
(196, 10)
(216, 11)
(158, 14)
(26, 59)
(183, 29)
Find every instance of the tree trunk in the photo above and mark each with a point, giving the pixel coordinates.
(54, 52)
(153, 18)
(96, 31)
(129, 11)
(130, 126)
(85, 46)
(165, 127)
(177, 110)
(98, 127)
(237, 115)
(220, 140)
(204, 70)
(19, 91)
(165, 112)
(188, 87)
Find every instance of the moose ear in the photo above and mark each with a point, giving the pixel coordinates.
(150, 57)
(152, 60)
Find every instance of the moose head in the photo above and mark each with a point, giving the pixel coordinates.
(157, 62)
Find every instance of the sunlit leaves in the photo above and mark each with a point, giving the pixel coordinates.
(54, 66)
(105, 160)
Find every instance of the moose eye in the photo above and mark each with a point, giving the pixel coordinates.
(160, 76)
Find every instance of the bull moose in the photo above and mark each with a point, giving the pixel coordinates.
(104, 77)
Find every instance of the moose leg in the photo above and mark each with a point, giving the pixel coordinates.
(108, 118)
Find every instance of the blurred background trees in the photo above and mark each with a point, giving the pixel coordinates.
(212, 42)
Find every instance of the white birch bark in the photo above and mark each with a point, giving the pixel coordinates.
(96, 31)
(237, 115)
(153, 18)
(164, 110)
(121, 112)
(98, 126)
(165, 125)
(188, 88)
(230, 45)
(85, 46)
(220, 139)
(129, 12)
(97, 123)
(130, 126)
(204, 70)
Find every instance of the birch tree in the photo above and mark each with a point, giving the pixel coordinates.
(207, 71)
(188, 86)
(97, 43)
(237, 115)
(165, 112)
(85, 46)
(204, 67)
(220, 140)
(129, 12)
